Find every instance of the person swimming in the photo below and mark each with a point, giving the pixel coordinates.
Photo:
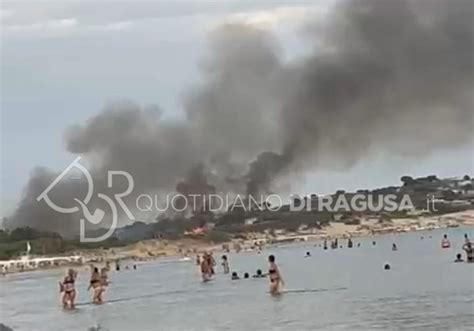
(308, 254)
(386, 266)
(96, 286)
(276, 280)
(235, 276)
(67, 287)
(246, 275)
(469, 252)
(459, 258)
(259, 274)
(394, 247)
(445, 243)
(225, 264)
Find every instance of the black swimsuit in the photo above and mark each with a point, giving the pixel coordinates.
(272, 272)
(69, 281)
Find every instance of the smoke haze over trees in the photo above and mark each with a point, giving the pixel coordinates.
(394, 75)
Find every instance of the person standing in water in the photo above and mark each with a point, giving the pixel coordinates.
(210, 262)
(469, 252)
(276, 280)
(104, 281)
(394, 247)
(96, 286)
(198, 260)
(445, 242)
(466, 239)
(225, 264)
(213, 263)
(205, 268)
(67, 287)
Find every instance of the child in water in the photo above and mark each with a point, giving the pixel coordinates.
(67, 287)
(276, 281)
(225, 264)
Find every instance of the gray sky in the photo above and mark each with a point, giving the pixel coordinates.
(61, 61)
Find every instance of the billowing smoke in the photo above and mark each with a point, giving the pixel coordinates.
(195, 190)
(382, 75)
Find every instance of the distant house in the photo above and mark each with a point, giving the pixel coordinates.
(280, 231)
(302, 228)
(250, 221)
(196, 231)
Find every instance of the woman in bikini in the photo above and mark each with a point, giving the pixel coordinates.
(67, 287)
(96, 285)
(275, 277)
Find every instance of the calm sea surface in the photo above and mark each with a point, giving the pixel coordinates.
(424, 290)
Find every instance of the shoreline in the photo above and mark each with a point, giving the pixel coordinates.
(153, 249)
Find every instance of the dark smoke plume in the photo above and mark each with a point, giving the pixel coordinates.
(383, 75)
